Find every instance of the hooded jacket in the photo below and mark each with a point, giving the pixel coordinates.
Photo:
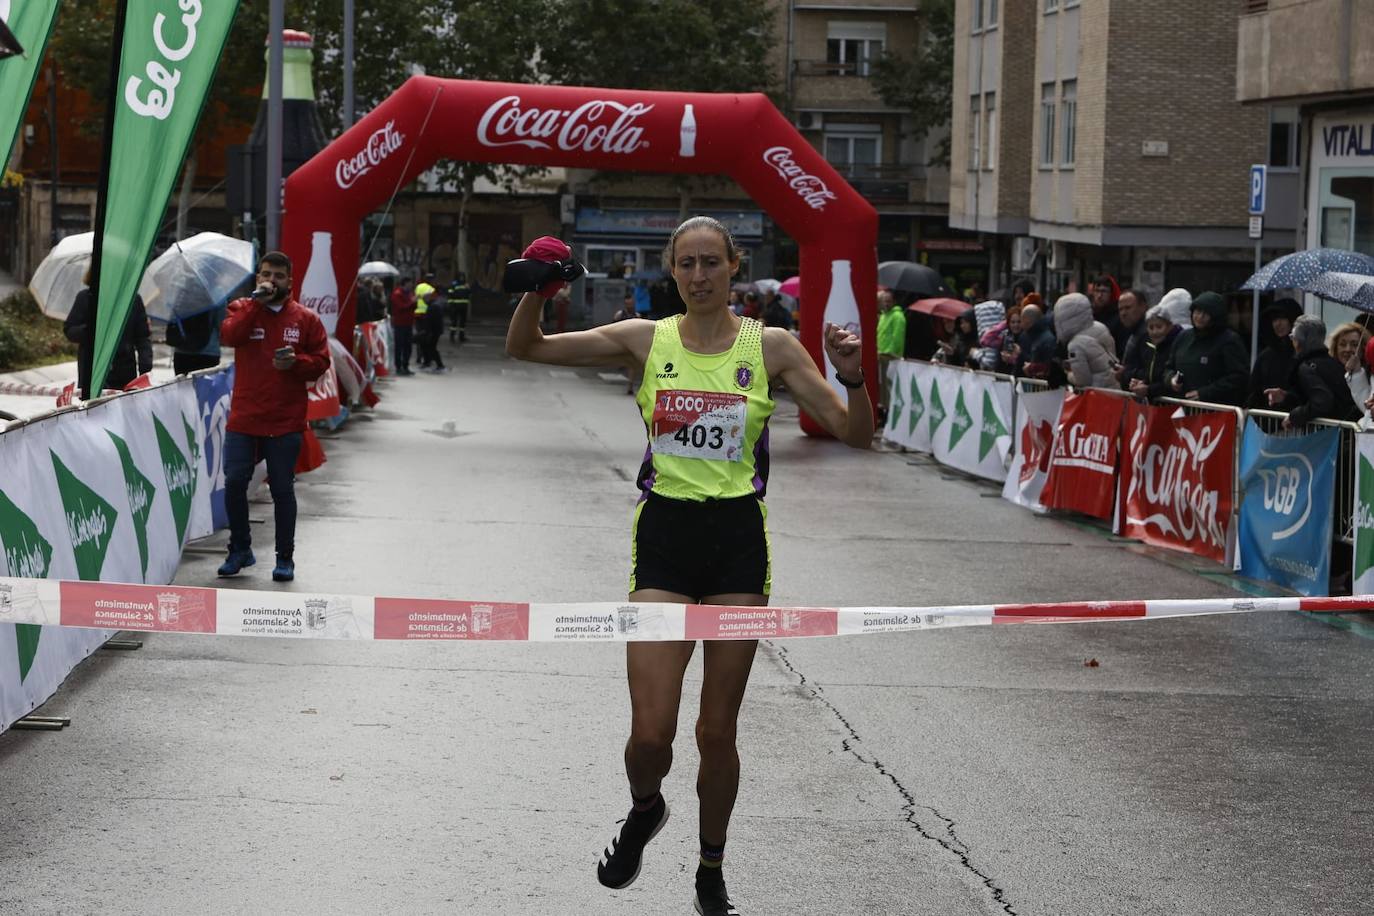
(990, 317)
(1154, 362)
(1317, 390)
(1178, 303)
(1037, 348)
(1092, 352)
(961, 345)
(1275, 363)
(1212, 360)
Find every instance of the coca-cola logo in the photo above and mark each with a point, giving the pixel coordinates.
(1169, 482)
(597, 126)
(383, 142)
(809, 188)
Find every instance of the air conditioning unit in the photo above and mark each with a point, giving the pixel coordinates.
(1022, 254)
(1059, 256)
(810, 120)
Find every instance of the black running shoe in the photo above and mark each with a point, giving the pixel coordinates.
(620, 863)
(712, 899)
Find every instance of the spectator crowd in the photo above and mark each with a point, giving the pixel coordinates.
(1182, 347)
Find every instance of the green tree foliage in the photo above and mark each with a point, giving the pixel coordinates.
(684, 45)
(922, 83)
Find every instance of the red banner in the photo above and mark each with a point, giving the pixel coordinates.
(1176, 479)
(324, 397)
(1083, 466)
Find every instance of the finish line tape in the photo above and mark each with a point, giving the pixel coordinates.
(302, 615)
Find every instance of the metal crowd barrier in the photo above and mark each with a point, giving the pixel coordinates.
(1196, 408)
(1343, 513)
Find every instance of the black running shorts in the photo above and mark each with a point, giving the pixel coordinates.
(699, 549)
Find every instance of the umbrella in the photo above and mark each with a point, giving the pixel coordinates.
(767, 285)
(790, 287)
(378, 269)
(1346, 288)
(1294, 270)
(743, 288)
(195, 275)
(940, 307)
(9, 45)
(909, 277)
(58, 278)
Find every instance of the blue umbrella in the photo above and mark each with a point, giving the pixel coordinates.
(1294, 271)
(1349, 289)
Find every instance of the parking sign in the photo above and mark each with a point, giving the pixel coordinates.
(1259, 177)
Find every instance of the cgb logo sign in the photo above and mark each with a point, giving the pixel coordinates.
(597, 126)
(1287, 489)
(809, 188)
(383, 142)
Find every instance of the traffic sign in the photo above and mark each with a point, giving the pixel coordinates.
(1256, 227)
(1259, 178)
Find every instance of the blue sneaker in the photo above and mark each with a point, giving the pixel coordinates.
(236, 561)
(284, 571)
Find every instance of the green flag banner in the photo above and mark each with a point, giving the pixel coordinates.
(31, 23)
(167, 62)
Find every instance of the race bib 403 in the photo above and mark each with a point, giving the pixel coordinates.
(699, 424)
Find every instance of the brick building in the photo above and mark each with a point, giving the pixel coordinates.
(1303, 64)
(1103, 136)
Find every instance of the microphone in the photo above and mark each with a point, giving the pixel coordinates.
(265, 291)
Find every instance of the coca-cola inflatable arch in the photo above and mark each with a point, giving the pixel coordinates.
(742, 136)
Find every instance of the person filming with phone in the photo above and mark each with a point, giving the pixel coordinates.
(280, 347)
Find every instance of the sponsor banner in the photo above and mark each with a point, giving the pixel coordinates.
(109, 493)
(237, 612)
(1287, 485)
(976, 437)
(962, 418)
(30, 22)
(324, 397)
(1037, 417)
(1364, 514)
(166, 62)
(1176, 477)
(212, 410)
(1082, 475)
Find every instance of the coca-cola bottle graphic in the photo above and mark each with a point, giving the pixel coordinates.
(841, 308)
(319, 289)
(688, 133)
(302, 134)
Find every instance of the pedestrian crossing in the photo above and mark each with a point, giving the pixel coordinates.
(546, 372)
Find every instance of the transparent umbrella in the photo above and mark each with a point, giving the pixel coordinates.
(59, 277)
(378, 269)
(1294, 270)
(195, 276)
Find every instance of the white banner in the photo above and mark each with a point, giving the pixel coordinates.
(1364, 512)
(1037, 417)
(961, 417)
(111, 492)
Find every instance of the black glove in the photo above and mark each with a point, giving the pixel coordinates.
(526, 275)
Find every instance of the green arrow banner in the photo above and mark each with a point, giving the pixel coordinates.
(167, 62)
(31, 23)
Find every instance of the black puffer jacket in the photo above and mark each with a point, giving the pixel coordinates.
(1273, 369)
(1317, 390)
(1212, 360)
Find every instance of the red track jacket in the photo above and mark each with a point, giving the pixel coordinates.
(268, 401)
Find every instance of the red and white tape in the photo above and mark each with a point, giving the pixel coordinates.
(46, 391)
(235, 612)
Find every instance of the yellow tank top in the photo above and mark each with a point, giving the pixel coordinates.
(706, 416)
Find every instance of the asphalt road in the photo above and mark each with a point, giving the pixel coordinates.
(1203, 766)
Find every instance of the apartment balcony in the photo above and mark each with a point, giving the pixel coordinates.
(885, 184)
(826, 85)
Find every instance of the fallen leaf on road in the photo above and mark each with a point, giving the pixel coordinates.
(1091, 663)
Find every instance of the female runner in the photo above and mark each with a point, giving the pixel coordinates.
(699, 532)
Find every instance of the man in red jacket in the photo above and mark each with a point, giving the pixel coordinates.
(280, 347)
